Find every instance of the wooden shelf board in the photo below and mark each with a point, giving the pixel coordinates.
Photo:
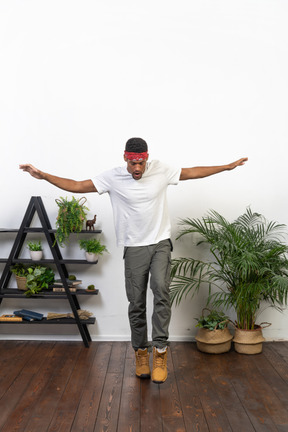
(40, 230)
(52, 261)
(15, 293)
(52, 321)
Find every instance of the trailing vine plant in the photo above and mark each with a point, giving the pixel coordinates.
(71, 216)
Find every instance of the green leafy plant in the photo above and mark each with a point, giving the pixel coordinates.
(92, 246)
(214, 320)
(248, 265)
(91, 287)
(38, 278)
(71, 216)
(19, 270)
(34, 246)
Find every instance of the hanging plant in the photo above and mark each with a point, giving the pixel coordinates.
(71, 216)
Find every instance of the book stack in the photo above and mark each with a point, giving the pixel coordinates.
(72, 284)
(28, 315)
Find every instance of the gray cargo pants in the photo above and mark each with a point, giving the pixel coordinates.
(139, 262)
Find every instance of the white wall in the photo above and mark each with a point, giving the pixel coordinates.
(204, 82)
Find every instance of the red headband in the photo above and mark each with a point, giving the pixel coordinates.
(136, 156)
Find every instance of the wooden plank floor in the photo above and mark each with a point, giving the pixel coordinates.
(63, 387)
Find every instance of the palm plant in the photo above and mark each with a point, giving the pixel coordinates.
(248, 268)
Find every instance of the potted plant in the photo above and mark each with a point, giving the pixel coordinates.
(32, 279)
(20, 271)
(247, 265)
(35, 249)
(70, 219)
(38, 278)
(213, 335)
(93, 248)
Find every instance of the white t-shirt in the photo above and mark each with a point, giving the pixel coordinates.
(140, 206)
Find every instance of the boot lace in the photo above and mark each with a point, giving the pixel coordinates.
(143, 360)
(159, 361)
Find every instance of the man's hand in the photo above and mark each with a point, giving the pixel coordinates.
(34, 172)
(237, 163)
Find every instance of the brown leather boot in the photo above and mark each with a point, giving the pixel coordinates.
(159, 371)
(142, 363)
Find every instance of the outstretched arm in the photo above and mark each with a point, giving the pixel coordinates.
(205, 171)
(69, 185)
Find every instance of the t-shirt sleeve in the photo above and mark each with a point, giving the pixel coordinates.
(172, 173)
(175, 176)
(102, 183)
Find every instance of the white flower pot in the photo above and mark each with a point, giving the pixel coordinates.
(91, 257)
(36, 255)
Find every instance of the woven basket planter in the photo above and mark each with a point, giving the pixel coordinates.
(214, 341)
(248, 341)
(21, 283)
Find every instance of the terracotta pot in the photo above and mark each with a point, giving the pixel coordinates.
(248, 341)
(214, 341)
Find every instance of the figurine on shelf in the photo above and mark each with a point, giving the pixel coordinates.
(90, 223)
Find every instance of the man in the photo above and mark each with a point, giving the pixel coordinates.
(138, 197)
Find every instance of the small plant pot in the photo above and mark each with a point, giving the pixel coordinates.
(214, 341)
(36, 255)
(248, 341)
(91, 257)
(21, 282)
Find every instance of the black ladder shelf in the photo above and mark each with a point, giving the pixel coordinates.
(36, 205)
